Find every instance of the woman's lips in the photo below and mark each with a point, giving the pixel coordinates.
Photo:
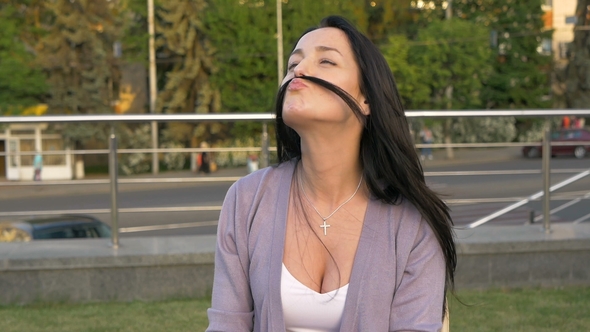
(297, 84)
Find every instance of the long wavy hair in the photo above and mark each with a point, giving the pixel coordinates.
(391, 166)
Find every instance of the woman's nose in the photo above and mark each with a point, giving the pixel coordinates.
(301, 69)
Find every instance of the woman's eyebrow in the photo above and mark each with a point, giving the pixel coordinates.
(320, 48)
(327, 49)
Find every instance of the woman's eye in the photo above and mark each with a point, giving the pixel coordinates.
(292, 65)
(326, 61)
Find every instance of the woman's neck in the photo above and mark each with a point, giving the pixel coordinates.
(330, 172)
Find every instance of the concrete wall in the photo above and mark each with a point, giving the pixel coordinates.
(510, 265)
(92, 271)
(160, 268)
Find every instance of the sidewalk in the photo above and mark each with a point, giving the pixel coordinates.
(463, 156)
(69, 188)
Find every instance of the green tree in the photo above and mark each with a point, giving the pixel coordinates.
(457, 64)
(520, 79)
(135, 37)
(244, 34)
(31, 18)
(411, 85)
(521, 73)
(244, 37)
(183, 43)
(388, 17)
(21, 83)
(77, 56)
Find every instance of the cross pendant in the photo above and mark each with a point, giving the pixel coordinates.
(325, 227)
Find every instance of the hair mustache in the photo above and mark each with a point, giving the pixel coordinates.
(345, 96)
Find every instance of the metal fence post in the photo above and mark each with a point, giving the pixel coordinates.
(547, 176)
(113, 170)
(265, 155)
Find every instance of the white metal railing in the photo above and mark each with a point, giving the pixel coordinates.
(264, 149)
(232, 117)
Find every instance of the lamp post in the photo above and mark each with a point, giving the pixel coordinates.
(279, 41)
(153, 84)
(265, 155)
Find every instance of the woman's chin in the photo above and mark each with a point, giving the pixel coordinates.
(294, 111)
(298, 119)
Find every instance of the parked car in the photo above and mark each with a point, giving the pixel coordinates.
(54, 227)
(564, 135)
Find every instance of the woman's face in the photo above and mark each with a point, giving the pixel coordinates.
(323, 53)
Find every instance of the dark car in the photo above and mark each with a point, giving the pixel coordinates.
(565, 135)
(54, 227)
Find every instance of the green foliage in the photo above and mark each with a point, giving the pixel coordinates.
(385, 18)
(77, 56)
(135, 36)
(411, 84)
(455, 63)
(520, 78)
(183, 42)
(244, 36)
(136, 137)
(174, 160)
(21, 83)
(236, 158)
(221, 56)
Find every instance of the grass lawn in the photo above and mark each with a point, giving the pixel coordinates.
(182, 315)
(555, 310)
(563, 309)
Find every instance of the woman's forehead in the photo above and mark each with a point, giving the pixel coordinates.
(324, 38)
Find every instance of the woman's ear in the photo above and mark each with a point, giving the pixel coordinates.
(366, 108)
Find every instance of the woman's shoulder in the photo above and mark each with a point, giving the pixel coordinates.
(262, 190)
(405, 214)
(271, 176)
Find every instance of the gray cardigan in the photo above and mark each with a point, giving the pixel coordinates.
(396, 283)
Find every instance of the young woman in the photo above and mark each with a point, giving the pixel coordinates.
(343, 234)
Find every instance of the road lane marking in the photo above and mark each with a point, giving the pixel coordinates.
(169, 226)
(586, 217)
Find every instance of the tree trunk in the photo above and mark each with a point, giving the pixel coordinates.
(449, 122)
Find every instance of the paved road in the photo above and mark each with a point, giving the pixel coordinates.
(514, 186)
(202, 194)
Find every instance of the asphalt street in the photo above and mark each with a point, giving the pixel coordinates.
(468, 195)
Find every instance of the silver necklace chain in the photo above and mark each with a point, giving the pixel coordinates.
(325, 226)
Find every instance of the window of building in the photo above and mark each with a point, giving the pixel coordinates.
(546, 46)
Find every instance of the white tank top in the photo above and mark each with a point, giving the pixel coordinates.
(306, 310)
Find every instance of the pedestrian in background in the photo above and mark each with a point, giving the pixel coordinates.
(565, 122)
(37, 166)
(578, 123)
(204, 162)
(343, 234)
(427, 138)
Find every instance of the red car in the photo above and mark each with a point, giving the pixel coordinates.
(564, 135)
